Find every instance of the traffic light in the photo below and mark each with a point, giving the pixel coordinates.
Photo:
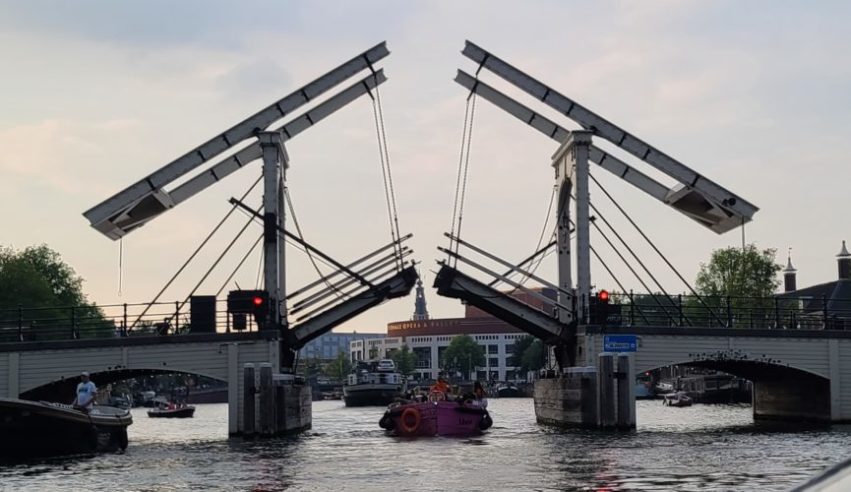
(254, 302)
(600, 308)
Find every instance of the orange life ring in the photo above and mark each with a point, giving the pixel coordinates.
(410, 419)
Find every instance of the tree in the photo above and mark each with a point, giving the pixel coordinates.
(462, 355)
(405, 360)
(340, 367)
(520, 346)
(532, 358)
(49, 293)
(741, 281)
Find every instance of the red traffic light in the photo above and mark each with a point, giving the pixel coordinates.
(257, 300)
(603, 296)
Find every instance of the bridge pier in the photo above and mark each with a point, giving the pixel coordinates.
(593, 397)
(795, 399)
(273, 403)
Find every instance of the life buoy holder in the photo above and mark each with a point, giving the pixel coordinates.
(410, 420)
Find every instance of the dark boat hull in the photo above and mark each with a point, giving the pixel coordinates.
(177, 413)
(370, 395)
(37, 429)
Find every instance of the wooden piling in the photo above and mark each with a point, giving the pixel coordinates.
(267, 401)
(626, 392)
(606, 393)
(250, 389)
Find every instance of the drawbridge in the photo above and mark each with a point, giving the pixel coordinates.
(693, 195)
(350, 288)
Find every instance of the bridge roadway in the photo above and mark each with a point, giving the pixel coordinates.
(34, 370)
(796, 374)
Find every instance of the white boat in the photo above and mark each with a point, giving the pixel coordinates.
(678, 399)
(373, 383)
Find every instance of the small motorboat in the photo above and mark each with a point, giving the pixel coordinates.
(678, 399)
(37, 429)
(172, 411)
(437, 417)
(508, 391)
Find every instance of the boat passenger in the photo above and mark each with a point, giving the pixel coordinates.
(480, 394)
(441, 386)
(86, 393)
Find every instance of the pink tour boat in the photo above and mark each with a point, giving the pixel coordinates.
(437, 417)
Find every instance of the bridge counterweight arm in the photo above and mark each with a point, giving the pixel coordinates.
(611, 132)
(138, 200)
(710, 214)
(288, 132)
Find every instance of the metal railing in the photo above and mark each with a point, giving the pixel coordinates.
(26, 324)
(779, 311)
(740, 312)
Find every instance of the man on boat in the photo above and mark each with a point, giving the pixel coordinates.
(86, 393)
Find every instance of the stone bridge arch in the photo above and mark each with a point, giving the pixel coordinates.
(780, 391)
(64, 388)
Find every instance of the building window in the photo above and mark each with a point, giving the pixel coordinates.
(493, 349)
(493, 361)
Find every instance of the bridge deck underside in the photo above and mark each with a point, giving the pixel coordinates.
(452, 283)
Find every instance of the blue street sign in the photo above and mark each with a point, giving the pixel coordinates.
(620, 343)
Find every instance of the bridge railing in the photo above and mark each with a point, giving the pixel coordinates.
(24, 324)
(741, 312)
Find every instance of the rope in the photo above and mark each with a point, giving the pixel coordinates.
(458, 177)
(466, 169)
(310, 256)
(640, 280)
(195, 253)
(634, 255)
(389, 197)
(387, 160)
(239, 265)
(214, 265)
(652, 245)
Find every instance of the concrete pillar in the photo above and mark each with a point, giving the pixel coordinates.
(248, 396)
(835, 380)
(233, 388)
(14, 375)
(606, 390)
(267, 401)
(626, 392)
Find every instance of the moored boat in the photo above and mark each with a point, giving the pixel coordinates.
(373, 383)
(678, 399)
(508, 391)
(31, 429)
(173, 412)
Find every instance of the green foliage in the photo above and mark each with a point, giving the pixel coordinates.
(533, 357)
(520, 346)
(50, 295)
(739, 285)
(405, 360)
(340, 367)
(463, 354)
(738, 272)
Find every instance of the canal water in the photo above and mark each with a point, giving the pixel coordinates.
(700, 448)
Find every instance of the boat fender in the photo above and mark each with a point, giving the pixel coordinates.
(486, 422)
(122, 440)
(410, 419)
(386, 422)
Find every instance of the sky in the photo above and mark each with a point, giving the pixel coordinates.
(96, 95)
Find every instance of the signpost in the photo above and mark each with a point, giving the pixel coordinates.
(620, 343)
